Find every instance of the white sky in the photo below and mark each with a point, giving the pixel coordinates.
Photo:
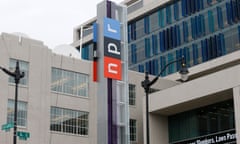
(50, 21)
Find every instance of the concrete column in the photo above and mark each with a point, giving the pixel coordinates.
(236, 100)
(158, 125)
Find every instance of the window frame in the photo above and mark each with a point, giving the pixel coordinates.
(132, 92)
(78, 81)
(130, 134)
(10, 117)
(66, 128)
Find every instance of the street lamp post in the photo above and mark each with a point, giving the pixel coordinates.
(17, 76)
(146, 84)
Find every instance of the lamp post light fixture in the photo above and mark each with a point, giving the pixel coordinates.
(146, 84)
(17, 75)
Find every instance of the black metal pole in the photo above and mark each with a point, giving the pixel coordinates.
(146, 86)
(15, 115)
(147, 117)
(17, 76)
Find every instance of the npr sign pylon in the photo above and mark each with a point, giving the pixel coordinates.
(111, 73)
(112, 49)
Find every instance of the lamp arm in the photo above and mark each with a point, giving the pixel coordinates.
(8, 72)
(162, 70)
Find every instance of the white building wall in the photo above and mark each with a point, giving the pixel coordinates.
(75, 102)
(35, 93)
(196, 89)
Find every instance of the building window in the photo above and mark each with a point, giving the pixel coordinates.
(69, 82)
(21, 113)
(133, 130)
(69, 121)
(132, 94)
(134, 53)
(87, 51)
(24, 67)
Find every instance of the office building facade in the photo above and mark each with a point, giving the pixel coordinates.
(57, 98)
(207, 34)
(165, 30)
(202, 110)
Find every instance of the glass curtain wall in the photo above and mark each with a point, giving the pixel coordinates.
(200, 30)
(202, 121)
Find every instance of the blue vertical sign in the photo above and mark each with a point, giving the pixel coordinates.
(111, 28)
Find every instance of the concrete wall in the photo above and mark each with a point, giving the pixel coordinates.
(75, 102)
(196, 89)
(138, 111)
(37, 91)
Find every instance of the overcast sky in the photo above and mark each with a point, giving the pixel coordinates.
(51, 21)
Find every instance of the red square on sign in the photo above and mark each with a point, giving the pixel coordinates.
(112, 68)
